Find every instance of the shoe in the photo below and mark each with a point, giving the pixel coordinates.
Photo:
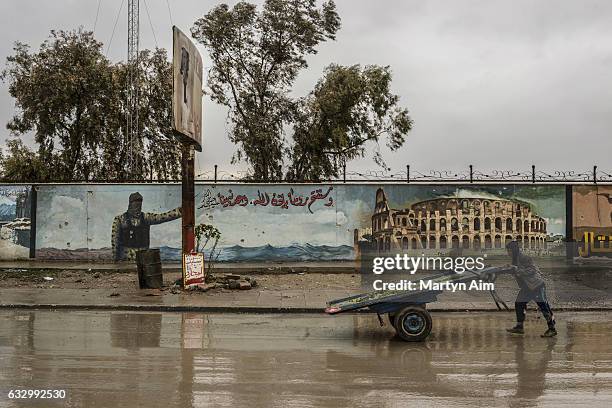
(551, 332)
(516, 330)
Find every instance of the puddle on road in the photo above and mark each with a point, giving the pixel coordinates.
(123, 359)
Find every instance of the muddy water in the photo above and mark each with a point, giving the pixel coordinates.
(104, 359)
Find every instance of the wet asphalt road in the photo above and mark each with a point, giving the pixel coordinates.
(119, 359)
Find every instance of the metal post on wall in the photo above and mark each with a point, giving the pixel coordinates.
(344, 172)
(33, 209)
(594, 174)
(570, 245)
(408, 173)
(533, 173)
(215, 174)
(471, 174)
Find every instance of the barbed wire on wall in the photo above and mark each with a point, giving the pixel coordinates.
(211, 175)
(603, 176)
(415, 176)
(216, 175)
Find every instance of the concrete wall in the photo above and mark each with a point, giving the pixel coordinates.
(283, 222)
(268, 222)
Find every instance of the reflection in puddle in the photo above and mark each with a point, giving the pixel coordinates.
(134, 331)
(191, 359)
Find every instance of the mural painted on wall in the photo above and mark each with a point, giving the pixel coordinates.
(106, 222)
(257, 223)
(592, 220)
(131, 230)
(440, 219)
(277, 223)
(15, 222)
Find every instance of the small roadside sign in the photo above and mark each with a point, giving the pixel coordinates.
(193, 269)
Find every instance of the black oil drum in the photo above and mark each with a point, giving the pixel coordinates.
(149, 267)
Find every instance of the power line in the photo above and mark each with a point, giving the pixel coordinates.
(169, 12)
(115, 26)
(97, 14)
(151, 23)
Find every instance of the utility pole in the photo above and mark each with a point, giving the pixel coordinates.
(187, 123)
(187, 127)
(132, 81)
(188, 198)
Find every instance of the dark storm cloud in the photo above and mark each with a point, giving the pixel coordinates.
(499, 84)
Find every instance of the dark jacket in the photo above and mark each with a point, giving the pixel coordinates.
(527, 274)
(131, 234)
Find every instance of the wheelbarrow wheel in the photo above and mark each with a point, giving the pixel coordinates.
(413, 323)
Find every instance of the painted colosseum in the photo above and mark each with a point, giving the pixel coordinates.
(445, 223)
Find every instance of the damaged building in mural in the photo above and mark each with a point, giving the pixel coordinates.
(453, 223)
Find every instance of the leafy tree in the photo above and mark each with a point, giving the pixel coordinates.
(72, 99)
(22, 163)
(348, 108)
(256, 58)
(61, 94)
(155, 155)
(161, 152)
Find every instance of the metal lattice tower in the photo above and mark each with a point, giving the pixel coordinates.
(132, 80)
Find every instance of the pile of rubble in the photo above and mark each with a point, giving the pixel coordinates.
(233, 281)
(227, 281)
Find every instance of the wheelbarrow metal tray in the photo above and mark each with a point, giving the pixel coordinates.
(386, 298)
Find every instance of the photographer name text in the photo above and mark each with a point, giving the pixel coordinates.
(428, 284)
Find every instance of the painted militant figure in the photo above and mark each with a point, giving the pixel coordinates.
(131, 230)
(532, 287)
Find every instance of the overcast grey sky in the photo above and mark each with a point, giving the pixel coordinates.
(500, 84)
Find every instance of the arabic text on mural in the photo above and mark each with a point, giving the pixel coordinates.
(265, 199)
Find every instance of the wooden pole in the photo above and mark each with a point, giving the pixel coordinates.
(188, 198)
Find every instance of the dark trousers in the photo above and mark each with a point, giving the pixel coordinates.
(538, 295)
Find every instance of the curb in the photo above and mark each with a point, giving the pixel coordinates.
(256, 310)
(178, 269)
(162, 308)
